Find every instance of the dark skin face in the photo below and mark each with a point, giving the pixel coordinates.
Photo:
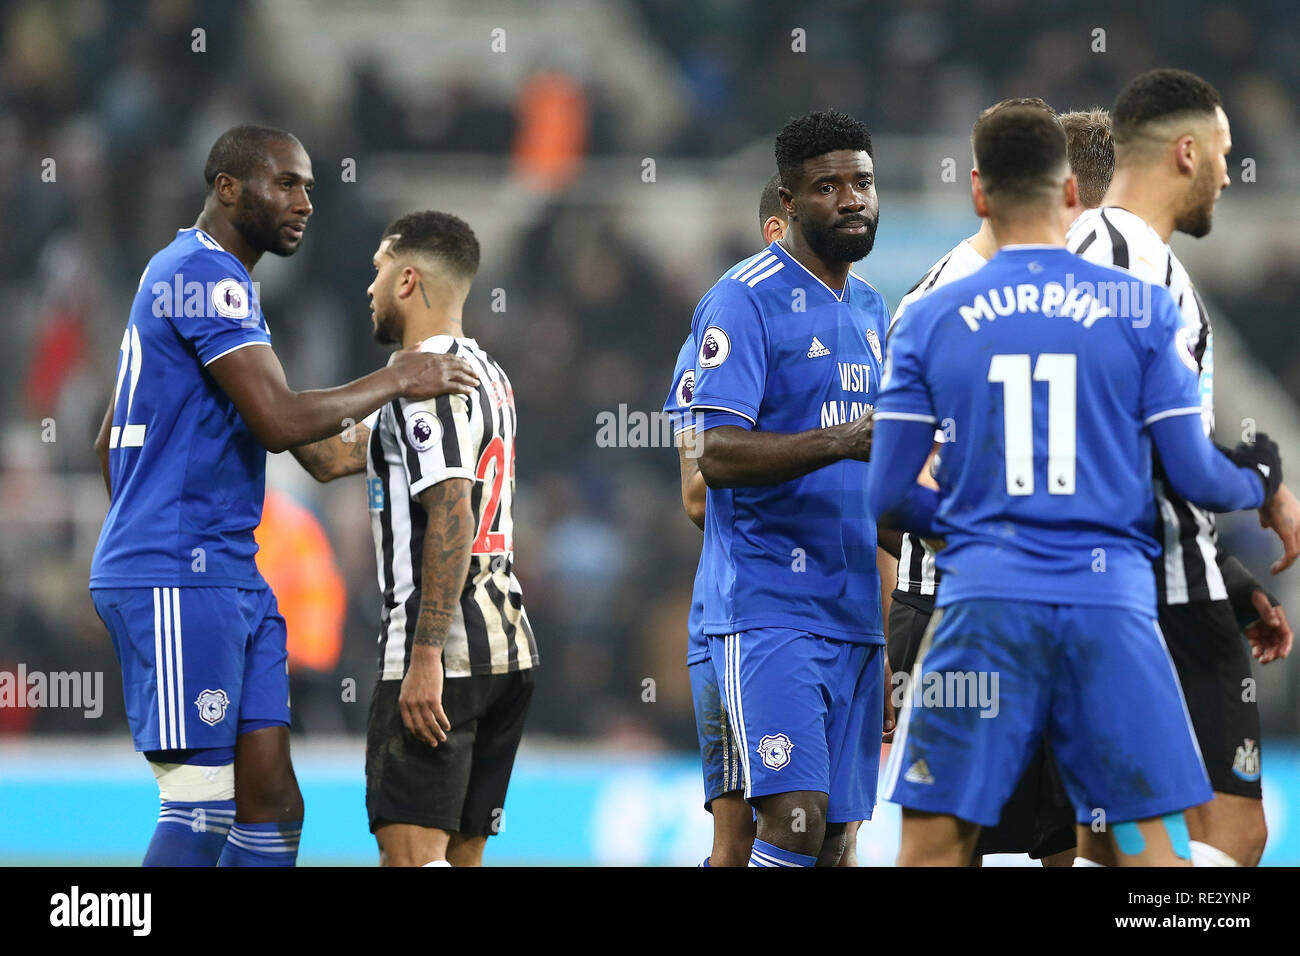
(267, 211)
(833, 212)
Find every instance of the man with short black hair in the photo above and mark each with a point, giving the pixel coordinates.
(456, 650)
(200, 398)
(789, 349)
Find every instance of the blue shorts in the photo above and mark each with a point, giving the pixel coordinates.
(994, 676)
(806, 714)
(717, 751)
(199, 665)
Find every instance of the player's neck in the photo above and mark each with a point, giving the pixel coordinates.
(983, 241)
(833, 274)
(1145, 194)
(1035, 231)
(430, 324)
(229, 238)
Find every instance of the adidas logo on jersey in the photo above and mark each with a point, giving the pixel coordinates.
(817, 350)
(918, 773)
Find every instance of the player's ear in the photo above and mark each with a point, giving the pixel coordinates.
(1185, 154)
(787, 200)
(1071, 191)
(977, 196)
(406, 286)
(227, 189)
(773, 229)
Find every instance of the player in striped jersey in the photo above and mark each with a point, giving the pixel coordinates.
(1037, 819)
(1171, 144)
(456, 650)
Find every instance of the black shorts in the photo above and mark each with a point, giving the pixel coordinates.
(1038, 818)
(460, 785)
(1213, 664)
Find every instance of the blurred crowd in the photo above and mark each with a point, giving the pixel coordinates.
(114, 95)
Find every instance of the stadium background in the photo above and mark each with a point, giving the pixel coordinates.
(609, 156)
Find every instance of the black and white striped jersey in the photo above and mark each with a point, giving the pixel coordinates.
(413, 446)
(1111, 236)
(917, 574)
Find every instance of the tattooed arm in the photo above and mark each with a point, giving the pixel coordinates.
(335, 457)
(448, 537)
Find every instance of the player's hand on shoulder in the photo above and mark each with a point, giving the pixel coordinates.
(422, 375)
(420, 700)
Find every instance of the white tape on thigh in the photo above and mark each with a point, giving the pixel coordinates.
(190, 783)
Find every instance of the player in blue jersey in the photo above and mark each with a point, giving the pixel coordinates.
(200, 398)
(1046, 619)
(787, 365)
(733, 819)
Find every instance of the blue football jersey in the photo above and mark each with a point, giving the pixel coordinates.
(1043, 370)
(677, 407)
(779, 351)
(187, 475)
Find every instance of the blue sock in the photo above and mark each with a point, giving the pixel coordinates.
(262, 844)
(765, 854)
(190, 834)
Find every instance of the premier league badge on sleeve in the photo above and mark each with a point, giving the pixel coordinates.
(715, 346)
(686, 388)
(423, 430)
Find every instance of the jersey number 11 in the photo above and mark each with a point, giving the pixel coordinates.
(1060, 372)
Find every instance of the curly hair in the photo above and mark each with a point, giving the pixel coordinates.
(816, 134)
(438, 234)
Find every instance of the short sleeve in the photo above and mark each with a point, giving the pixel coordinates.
(730, 355)
(904, 394)
(212, 305)
(677, 406)
(437, 439)
(1170, 379)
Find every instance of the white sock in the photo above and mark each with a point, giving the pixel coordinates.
(435, 863)
(1205, 855)
(1080, 861)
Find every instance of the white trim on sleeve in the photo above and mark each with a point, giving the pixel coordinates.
(1168, 413)
(904, 417)
(236, 348)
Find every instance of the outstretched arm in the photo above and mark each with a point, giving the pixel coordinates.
(282, 418)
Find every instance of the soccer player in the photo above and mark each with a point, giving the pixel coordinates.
(456, 651)
(200, 398)
(787, 366)
(1037, 819)
(724, 797)
(1171, 144)
(1053, 400)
